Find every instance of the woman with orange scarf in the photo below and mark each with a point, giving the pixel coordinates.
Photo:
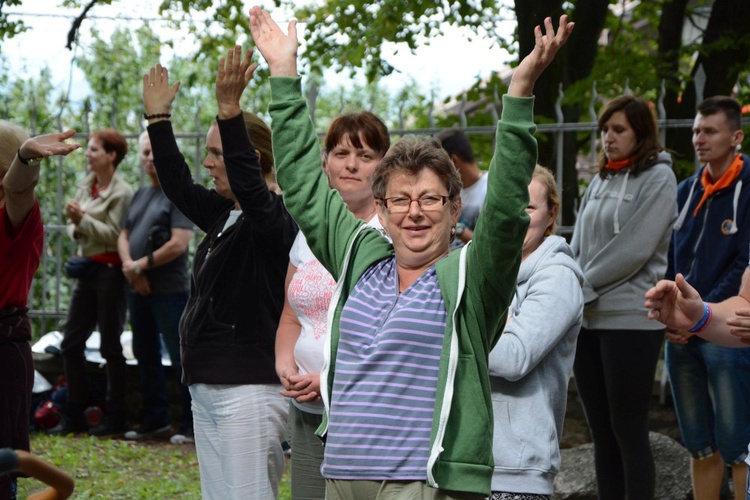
(621, 239)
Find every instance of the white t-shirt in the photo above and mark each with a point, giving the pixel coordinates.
(310, 291)
(472, 199)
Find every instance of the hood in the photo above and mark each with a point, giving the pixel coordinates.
(554, 251)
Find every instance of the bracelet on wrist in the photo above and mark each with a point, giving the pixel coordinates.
(157, 115)
(29, 161)
(704, 321)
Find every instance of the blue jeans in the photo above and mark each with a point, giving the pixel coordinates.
(710, 387)
(154, 317)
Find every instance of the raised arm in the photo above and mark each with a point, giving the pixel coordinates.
(158, 94)
(279, 50)
(494, 256)
(232, 77)
(545, 48)
(199, 204)
(322, 215)
(241, 158)
(23, 173)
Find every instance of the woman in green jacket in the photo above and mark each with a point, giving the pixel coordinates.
(405, 382)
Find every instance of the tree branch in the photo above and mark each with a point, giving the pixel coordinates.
(73, 33)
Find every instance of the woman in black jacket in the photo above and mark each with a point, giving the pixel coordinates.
(227, 331)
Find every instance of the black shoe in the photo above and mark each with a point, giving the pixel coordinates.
(68, 426)
(109, 427)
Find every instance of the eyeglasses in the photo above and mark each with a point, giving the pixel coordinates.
(427, 202)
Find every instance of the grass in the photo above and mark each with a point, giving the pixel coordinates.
(117, 469)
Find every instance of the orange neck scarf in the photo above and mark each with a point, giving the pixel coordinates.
(709, 187)
(618, 165)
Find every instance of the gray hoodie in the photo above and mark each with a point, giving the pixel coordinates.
(530, 368)
(621, 239)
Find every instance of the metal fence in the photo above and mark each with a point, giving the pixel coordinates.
(50, 294)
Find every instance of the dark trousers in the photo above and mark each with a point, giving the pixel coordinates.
(96, 301)
(16, 382)
(614, 373)
(153, 318)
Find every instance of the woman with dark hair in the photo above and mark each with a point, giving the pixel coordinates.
(621, 239)
(21, 245)
(98, 298)
(354, 145)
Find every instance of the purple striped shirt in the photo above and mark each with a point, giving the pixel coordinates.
(383, 396)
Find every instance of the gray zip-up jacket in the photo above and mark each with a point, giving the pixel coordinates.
(530, 368)
(621, 239)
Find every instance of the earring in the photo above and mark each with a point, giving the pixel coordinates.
(384, 232)
(453, 231)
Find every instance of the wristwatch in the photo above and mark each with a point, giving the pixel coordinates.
(460, 226)
(33, 162)
(137, 268)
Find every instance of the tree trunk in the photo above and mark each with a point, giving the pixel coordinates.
(724, 52)
(574, 62)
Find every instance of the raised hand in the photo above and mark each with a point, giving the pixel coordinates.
(279, 50)
(232, 77)
(158, 95)
(49, 145)
(675, 303)
(545, 49)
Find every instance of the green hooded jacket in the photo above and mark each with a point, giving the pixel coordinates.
(477, 283)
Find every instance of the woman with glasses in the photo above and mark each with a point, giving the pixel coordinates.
(405, 384)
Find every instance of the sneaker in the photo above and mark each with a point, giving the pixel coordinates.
(187, 438)
(143, 433)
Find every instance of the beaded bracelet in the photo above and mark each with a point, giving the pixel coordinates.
(157, 115)
(704, 321)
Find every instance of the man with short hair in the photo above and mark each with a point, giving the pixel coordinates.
(455, 142)
(711, 383)
(153, 247)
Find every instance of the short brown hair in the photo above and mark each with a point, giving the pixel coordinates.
(356, 127)
(112, 140)
(11, 138)
(547, 179)
(411, 155)
(260, 136)
(723, 104)
(643, 122)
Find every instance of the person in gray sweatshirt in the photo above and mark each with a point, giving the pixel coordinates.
(531, 364)
(620, 240)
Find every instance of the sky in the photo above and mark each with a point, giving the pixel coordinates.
(447, 66)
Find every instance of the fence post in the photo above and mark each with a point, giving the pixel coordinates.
(662, 111)
(495, 105)
(559, 145)
(593, 117)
